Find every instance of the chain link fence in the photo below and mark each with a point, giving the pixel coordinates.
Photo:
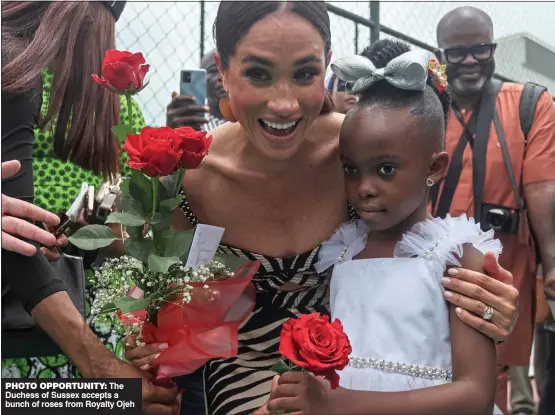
(174, 35)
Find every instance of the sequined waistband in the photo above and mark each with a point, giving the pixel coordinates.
(399, 367)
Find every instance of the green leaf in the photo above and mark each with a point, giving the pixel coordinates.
(230, 261)
(170, 182)
(161, 264)
(280, 367)
(126, 305)
(171, 204)
(163, 193)
(108, 308)
(140, 189)
(164, 238)
(125, 218)
(140, 248)
(176, 244)
(158, 218)
(162, 225)
(129, 304)
(134, 231)
(92, 237)
(124, 186)
(121, 131)
(133, 207)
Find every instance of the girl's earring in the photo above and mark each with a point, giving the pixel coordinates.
(429, 182)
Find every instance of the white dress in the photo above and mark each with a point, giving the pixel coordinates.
(393, 309)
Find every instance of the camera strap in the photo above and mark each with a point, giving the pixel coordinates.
(486, 115)
(455, 167)
(507, 160)
(480, 121)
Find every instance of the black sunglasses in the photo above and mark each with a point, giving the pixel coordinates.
(481, 52)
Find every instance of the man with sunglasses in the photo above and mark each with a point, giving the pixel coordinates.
(342, 100)
(500, 170)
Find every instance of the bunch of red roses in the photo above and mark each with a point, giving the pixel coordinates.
(155, 151)
(150, 290)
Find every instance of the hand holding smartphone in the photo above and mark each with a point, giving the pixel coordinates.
(188, 109)
(193, 83)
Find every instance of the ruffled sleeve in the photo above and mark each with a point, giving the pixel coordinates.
(348, 241)
(442, 240)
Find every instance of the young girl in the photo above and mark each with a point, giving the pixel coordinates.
(387, 266)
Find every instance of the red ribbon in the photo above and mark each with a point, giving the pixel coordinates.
(205, 328)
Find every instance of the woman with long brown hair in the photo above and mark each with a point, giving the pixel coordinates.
(49, 51)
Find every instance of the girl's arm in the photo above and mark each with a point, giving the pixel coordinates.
(472, 390)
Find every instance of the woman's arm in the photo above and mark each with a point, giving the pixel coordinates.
(472, 390)
(30, 278)
(493, 286)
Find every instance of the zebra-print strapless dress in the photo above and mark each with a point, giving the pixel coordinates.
(241, 384)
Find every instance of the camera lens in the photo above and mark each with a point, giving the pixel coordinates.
(497, 219)
(186, 77)
(496, 222)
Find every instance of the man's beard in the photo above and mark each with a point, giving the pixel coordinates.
(464, 87)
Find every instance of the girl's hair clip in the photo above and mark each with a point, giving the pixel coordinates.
(438, 74)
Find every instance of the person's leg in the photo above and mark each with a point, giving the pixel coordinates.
(501, 394)
(547, 401)
(522, 396)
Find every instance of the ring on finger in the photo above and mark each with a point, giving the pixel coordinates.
(498, 342)
(488, 313)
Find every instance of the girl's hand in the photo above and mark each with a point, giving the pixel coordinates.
(473, 291)
(142, 356)
(263, 410)
(301, 393)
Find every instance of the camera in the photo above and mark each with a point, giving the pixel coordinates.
(499, 218)
(186, 77)
(105, 201)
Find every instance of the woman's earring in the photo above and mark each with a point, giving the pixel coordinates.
(225, 109)
(429, 182)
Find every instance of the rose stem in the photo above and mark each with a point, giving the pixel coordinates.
(155, 184)
(129, 113)
(179, 181)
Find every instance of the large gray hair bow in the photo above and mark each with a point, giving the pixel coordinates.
(407, 71)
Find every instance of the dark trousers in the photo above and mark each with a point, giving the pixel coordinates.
(192, 402)
(547, 401)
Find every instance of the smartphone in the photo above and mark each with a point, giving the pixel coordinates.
(193, 83)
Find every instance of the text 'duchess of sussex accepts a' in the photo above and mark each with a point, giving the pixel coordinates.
(65, 396)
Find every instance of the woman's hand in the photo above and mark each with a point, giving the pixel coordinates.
(142, 356)
(14, 225)
(473, 291)
(301, 393)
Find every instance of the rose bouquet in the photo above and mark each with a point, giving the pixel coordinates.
(151, 291)
(311, 343)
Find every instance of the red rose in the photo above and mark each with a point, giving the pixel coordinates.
(155, 151)
(122, 71)
(195, 146)
(316, 345)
